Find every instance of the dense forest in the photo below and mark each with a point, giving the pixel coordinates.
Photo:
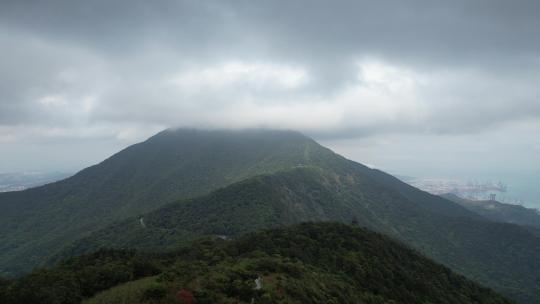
(306, 263)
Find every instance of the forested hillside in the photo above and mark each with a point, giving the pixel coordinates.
(171, 165)
(499, 212)
(498, 255)
(308, 263)
(182, 184)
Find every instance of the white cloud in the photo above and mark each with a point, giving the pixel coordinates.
(52, 100)
(233, 73)
(237, 95)
(384, 97)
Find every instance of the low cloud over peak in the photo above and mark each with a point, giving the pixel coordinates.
(115, 72)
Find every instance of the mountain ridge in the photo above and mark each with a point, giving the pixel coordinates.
(304, 263)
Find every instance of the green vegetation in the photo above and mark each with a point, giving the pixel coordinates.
(77, 278)
(36, 223)
(180, 185)
(498, 255)
(308, 263)
(267, 201)
(499, 212)
(128, 293)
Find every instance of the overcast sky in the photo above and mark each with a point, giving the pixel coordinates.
(423, 88)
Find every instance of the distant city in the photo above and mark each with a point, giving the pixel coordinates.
(473, 190)
(23, 180)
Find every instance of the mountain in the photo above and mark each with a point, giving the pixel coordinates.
(299, 194)
(307, 263)
(181, 184)
(265, 201)
(497, 255)
(171, 165)
(499, 212)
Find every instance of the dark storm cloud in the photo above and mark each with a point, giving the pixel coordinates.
(438, 32)
(92, 62)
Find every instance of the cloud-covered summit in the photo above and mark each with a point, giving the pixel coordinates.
(103, 74)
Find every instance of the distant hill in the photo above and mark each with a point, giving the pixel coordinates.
(181, 184)
(500, 212)
(308, 263)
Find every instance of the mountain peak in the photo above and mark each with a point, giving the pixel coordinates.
(243, 132)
